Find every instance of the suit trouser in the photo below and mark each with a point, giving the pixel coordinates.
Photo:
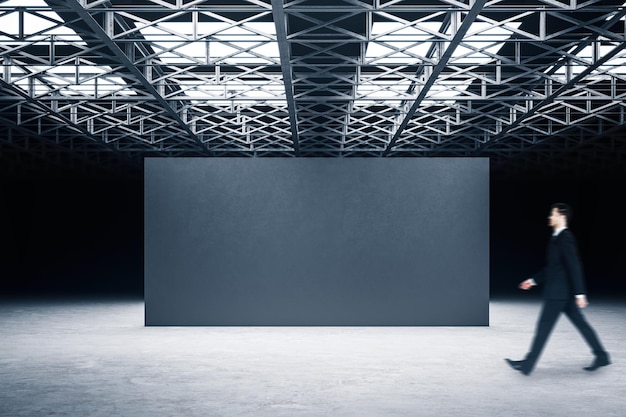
(548, 318)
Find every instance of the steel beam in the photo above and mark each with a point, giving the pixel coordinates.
(438, 68)
(129, 66)
(280, 20)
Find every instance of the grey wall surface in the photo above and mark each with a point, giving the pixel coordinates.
(316, 241)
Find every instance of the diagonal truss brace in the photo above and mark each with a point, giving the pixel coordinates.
(75, 6)
(47, 110)
(549, 99)
(443, 62)
(280, 20)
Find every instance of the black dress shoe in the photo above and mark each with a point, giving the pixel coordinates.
(598, 362)
(518, 366)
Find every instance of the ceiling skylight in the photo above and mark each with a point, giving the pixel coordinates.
(183, 43)
(218, 44)
(38, 26)
(393, 44)
(587, 57)
(70, 80)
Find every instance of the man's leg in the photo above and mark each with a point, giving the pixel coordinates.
(547, 319)
(578, 319)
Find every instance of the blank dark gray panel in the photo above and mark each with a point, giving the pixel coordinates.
(316, 241)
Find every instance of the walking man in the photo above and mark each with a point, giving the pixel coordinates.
(563, 292)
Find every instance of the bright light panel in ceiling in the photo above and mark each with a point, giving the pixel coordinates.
(182, 44)
(397, 44)
(81, 79)
(587, 56)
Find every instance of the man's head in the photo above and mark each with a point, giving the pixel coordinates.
(560, 215)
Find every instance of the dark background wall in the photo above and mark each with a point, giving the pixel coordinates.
(317, 241)
(83, 236)
(519, 231)
(71, 236)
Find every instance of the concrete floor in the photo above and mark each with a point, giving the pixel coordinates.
(95, 358)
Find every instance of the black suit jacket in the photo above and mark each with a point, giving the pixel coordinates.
(562, 277)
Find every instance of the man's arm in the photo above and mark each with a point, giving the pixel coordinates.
(581, 299)
(573, 266)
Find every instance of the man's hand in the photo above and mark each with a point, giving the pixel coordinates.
(581, 302)
(526, 285)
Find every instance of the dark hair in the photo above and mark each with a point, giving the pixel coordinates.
(564, 210)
